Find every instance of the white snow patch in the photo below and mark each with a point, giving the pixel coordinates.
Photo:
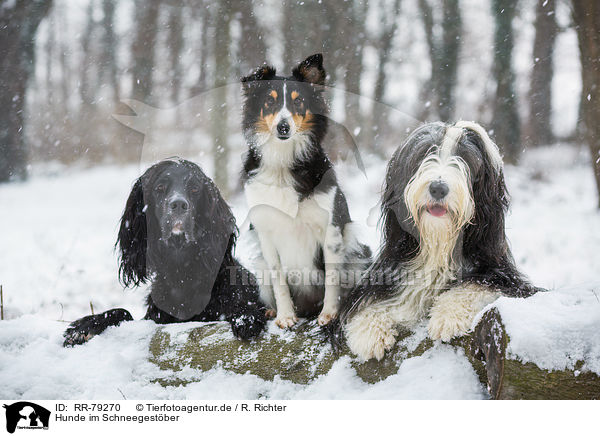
(554, 329)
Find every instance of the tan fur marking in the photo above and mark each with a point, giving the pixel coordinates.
(265, 122)
(273, 94)
(303, 123)
(295, 95)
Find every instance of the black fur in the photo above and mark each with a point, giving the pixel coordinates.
(197, 263)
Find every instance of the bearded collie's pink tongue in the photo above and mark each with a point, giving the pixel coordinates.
(437, 210)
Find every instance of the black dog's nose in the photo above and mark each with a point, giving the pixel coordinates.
(438, 189)
(283, 128)
(179, 205)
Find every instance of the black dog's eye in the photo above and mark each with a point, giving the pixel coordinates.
(269, 100)
(298, 102)
(160, 187)
(194, 189)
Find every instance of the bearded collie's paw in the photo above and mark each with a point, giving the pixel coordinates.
(370, 334)
(454, 311)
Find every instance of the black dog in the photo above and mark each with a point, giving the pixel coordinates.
(178, 232)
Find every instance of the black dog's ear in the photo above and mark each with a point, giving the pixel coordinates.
(218, 217)
(265, 72)
(132, 238)
(311, 70)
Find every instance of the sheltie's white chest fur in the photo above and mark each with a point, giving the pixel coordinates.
(297, 229)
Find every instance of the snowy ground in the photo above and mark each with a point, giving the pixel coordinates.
(56, 257)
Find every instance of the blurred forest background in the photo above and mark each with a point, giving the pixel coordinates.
(527, 69)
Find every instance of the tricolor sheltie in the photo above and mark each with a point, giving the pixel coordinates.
(445, 255)
(309, 254)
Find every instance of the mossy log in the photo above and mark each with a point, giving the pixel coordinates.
(303, 354)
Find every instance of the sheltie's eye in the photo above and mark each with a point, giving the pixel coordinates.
(298, 102)
(269, 100)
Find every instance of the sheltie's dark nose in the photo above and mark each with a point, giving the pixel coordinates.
(283, 129)
(438, 189)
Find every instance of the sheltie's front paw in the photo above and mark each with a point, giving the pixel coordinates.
(327, 316)
(285, 321)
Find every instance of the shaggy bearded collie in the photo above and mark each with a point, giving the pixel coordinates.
(445, 255)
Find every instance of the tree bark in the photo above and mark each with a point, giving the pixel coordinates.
(143, 47)
(219, 111)
(444, 51)
(379, 114)
(448, 63)
(174, 49)
(18, 27)
(539, 129)
(109, 49)
(252, 50)
(506, 123)
(586, 15)
(306, 355)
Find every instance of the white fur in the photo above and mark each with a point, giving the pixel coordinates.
(490, 147)
(453, 135)
(371, 332)
(290, 231)
(284, 114)
(453, 312)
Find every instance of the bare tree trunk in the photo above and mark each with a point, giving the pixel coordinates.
(86, 90)
(448, 65)
(220, 109)
(427, 92)
(438, 90)
(142, 49)
(18, 26)
(252, 49)
(49, 52)
(354, 68)
(109, 48)
(203, 50)
(539, 128)
(506, 123)
(586, 15)
(389, 20)
(65, 79)
(175, 46)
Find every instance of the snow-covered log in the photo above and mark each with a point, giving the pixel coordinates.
(303, 355)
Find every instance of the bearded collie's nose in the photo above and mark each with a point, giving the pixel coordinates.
(438, 189)
(283, 129)
(179, 205)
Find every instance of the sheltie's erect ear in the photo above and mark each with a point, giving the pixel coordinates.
(266, 72)
(132, 239)
(311, 70)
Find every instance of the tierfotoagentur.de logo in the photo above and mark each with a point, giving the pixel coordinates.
(26, 415)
